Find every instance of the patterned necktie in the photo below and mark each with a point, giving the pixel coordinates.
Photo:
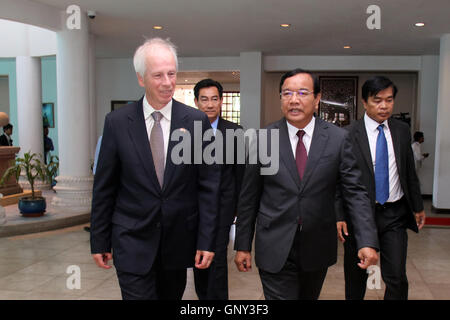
(157, 146)
(381, 167)
(301, 155)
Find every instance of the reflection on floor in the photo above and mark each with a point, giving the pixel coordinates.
(34, 267)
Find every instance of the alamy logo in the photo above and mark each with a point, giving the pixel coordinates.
(74, 20)
(207, 147)
(374, 278)
(374, 20)
(74, 280)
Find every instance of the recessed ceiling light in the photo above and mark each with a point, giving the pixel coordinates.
(285, 25)
(157, 27)
(419, 24)
(347, 47)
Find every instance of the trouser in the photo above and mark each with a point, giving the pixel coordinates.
(212, 283)
(293, 283)
(393, 240)
(157, 284)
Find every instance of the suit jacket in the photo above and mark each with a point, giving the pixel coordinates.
(277, 202)
(132, 214)
(231, 177)
(4, 141)
(404, 158)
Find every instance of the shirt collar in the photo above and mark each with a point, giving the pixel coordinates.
(215, 123)
(372, 125)
(166, 111)
(309, 129)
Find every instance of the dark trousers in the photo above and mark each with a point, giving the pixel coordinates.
(158, 284)
(212, 283)
(293, 283)
(393, 239)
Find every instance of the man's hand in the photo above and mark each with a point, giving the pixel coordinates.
(243, 260)
(368, 256)
(341, 226)
(420, 219)
(203, 259)
(101, 259)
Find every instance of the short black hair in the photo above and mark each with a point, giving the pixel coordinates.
(376, 84)
(418, 135)
(298, 71)
(8, 126)
(207, 83)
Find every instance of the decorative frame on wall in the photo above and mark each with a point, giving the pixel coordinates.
(48, 114)
(116, 104)
(339, 99)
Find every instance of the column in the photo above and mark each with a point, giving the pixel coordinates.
(251, 69)
(441, 186)
(29, 105)
(92, 98)
(74, 183)
(428, 94)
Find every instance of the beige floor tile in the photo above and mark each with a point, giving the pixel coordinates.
(440, 291)
(58, 285)
(23, 282)
(12, 295)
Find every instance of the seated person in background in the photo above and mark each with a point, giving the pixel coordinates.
(5, 138)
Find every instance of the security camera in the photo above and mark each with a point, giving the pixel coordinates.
(91, 14)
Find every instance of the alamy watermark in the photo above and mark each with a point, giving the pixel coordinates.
(241, 147)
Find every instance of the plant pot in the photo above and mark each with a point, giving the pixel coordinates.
(32, 207)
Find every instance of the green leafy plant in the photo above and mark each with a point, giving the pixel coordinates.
(51, 169)
(33, 167)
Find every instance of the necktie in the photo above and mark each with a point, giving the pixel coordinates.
(381, 167)
(157, 146)
(301, 156)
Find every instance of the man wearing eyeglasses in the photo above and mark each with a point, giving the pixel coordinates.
(293, 209)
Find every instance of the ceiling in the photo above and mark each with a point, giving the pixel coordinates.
(228, 27)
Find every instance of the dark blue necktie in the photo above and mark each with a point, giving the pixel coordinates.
(381, 167)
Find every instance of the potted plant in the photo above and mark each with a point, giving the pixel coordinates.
(51, 169)
(33, 206)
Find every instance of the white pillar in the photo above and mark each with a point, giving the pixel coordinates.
(428, 94)
(92, 98)
(441, 187)
(74, 187)
(29, 105)
(251, 69)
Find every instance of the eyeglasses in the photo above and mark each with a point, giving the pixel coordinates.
(288, 94)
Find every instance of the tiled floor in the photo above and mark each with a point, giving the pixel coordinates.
(34, 267)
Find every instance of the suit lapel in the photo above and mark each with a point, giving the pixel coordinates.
(363, 143)
(318, 144)
(395, 143)
(177, 122)
(139, 136)
(286, 152)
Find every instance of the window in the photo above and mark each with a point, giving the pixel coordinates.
(231, 106)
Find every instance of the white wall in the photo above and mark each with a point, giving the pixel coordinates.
(25, 40)
(4, 95)
(115, 80)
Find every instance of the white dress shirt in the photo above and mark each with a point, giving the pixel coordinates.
(395, 189)
(307, 137)
(166, 111)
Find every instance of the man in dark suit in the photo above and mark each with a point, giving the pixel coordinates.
(294, 208)
(158, 218)
(5, 138)
(382, 147)
(212, 283)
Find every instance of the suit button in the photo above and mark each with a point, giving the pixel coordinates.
(158, 225)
